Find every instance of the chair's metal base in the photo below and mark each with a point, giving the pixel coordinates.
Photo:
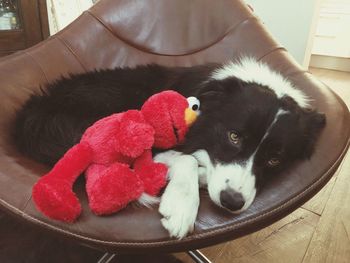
(196, 255)
(106, 258)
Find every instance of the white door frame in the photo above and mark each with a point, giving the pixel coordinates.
(312, 34)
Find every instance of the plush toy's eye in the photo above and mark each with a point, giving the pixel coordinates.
(193, 103)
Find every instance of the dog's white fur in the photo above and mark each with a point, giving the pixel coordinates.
(250, 70)
(180, 201)
(148, 200)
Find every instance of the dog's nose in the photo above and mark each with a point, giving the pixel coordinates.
(231, 199)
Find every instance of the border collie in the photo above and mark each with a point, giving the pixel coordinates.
(253, 124)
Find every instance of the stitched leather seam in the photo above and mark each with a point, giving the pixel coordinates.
(272, 51)
(37, 63)
(144, 50)
(27, 203)
(283, 49)
(71, 51)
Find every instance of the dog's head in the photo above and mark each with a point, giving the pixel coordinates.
(251, 127)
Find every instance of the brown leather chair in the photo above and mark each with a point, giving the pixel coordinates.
(119, 33)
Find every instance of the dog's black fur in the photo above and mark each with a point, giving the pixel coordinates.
(51, 122)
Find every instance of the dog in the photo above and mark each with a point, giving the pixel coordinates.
(253, 125)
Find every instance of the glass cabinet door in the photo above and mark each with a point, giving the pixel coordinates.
(9, 18)
(23, 23)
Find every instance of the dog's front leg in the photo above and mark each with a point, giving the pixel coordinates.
(180, 201)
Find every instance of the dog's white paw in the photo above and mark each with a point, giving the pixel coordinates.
(179, 219)
(180, 201)
(179, 207)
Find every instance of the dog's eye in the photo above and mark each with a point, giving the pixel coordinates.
(193, 103)
(273, 162)
(234, 137)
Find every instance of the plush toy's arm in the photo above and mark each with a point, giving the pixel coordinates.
(135, 135)
(152, 174)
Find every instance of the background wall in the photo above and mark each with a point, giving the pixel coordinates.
(63, 12)
(291, 22)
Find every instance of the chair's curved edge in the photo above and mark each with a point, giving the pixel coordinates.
(207, 238)
(188, 52)
(249, 16)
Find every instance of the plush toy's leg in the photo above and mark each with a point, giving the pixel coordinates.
(111, 188)
(53, 193)
(152, 174)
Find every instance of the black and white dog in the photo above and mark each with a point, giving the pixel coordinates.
(253, 124)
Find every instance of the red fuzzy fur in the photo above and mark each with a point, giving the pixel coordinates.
(108, 151)
(151, 174)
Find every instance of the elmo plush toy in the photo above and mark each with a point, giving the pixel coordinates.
(115, 153)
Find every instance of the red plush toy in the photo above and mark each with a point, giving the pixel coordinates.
(115, 153)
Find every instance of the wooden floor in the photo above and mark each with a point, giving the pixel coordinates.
(317, 232)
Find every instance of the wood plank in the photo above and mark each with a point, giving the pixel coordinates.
(338, 81)
(29, 11)
(44, 20)
(12, 40)
(287, 239)
(319, 201)
(331, 241)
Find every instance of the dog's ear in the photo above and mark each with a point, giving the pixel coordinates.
(312, 123)
(215, 90)
(289, 104)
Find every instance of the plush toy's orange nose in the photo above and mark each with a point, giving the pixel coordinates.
(190, 116)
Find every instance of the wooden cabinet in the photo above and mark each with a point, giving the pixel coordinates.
(23, 23)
